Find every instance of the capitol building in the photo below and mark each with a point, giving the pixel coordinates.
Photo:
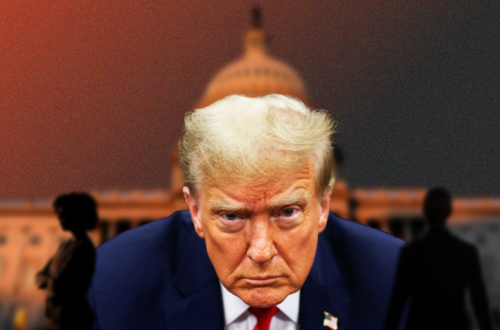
(30, 232)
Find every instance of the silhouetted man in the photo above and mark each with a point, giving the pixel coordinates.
(67, 275)
(453, 267)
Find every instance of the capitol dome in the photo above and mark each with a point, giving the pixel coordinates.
(255, 73)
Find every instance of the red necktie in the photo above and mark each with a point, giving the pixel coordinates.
(264, 316)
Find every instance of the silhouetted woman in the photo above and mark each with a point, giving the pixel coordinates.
(67, 275)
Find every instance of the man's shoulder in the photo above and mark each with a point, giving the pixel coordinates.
(360, 249)
(163, 231)
(443, 239)
(134, 273)
(370, 265)
(354, 233)
(153, 245)
(464, 245)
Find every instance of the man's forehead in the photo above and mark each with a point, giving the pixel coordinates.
(248, 195)
(254, 189)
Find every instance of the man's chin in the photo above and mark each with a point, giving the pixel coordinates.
(263, 297)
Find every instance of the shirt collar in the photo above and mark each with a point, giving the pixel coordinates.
(234, 306)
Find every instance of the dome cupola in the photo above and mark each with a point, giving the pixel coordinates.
(255, 73)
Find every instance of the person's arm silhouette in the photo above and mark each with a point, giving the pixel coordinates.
(478, 292)
(42, 277)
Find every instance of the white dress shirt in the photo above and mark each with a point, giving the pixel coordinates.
(238, 317)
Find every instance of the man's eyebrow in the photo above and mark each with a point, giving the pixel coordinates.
(297, 198)
(288, 200)
(222, 205)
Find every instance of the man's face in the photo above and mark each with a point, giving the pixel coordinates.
(261, 238)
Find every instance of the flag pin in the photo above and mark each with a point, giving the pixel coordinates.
(330, 321)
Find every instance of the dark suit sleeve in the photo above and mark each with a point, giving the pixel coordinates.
(478, 291)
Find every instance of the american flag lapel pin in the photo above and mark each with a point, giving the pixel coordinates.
(330, 321)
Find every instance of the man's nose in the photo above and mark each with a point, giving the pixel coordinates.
(262, 248)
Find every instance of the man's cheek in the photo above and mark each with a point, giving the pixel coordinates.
(226, 254)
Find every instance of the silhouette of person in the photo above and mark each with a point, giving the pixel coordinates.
(67, 275)
(453, 266)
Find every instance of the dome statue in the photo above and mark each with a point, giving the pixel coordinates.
(255, 73)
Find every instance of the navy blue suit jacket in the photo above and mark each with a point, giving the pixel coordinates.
(159, 276)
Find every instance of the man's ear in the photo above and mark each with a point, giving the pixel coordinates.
(194, 209)
(324, 208)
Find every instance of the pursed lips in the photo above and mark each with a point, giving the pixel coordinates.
(261, 280)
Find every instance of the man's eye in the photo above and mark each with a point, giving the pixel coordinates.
(289, 212)
(229, 216)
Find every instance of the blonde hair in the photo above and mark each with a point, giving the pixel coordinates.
(245, 139)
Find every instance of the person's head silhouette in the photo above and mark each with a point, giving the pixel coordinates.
(77, 212)
(437, 207)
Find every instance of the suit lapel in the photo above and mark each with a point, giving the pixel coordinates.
(200, 310)
(201, 307)
(325, 290)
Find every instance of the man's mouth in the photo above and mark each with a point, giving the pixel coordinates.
(262, 280)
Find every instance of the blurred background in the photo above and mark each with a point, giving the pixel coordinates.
(93, 95)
